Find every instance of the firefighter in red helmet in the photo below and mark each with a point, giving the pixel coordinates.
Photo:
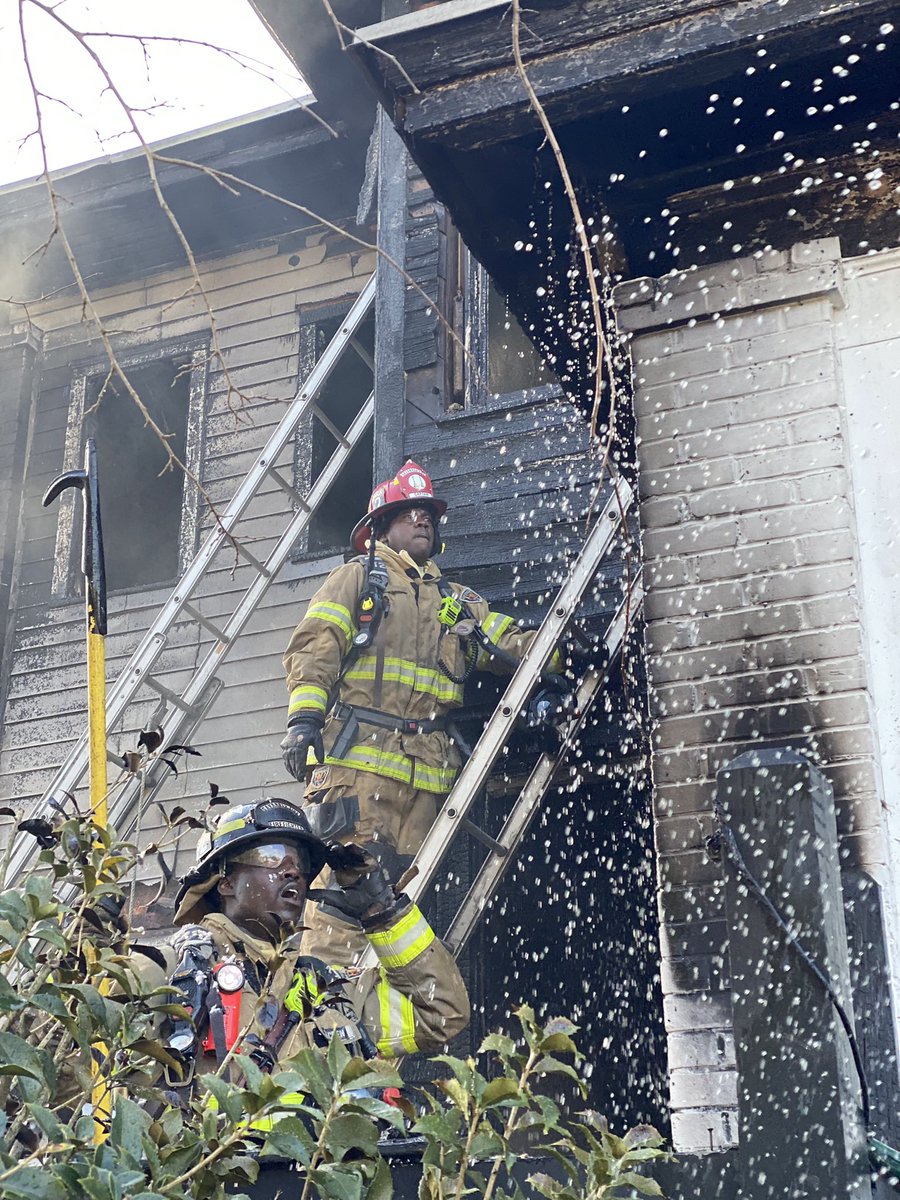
(374, 669)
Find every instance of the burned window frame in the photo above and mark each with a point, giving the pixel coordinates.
(469, 386)
(195, 353)
(310, 317)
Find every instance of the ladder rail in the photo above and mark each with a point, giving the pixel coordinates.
(277, 557)
(153, 642)
(187, 703)
(496, 732)
(529, 799)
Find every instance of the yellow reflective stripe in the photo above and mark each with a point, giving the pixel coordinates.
(398, 1021)
(495, 625)
(335, 614)
(384, 1043)
(402, 670)
(404, 941)
(307, 695)
(240, 823)
(379, 762)
(264, 1124)
(433, 779)
(395, 766)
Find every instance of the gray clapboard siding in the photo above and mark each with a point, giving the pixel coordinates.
(257, 296)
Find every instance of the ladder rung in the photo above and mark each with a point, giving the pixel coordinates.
(168, 694)
(208, 625)
(251, 558)
(363, 353)
(288, 489)
(330, 426)
(479, 835)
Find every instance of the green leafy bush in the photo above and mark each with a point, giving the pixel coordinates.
(80, 1004)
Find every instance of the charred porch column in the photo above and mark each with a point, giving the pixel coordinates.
(390, 301)
(799, 1095)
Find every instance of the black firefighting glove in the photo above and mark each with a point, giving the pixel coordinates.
(359, 887)
(301, 734)
(582, 649)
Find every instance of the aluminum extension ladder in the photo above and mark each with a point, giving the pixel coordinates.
(180, 711)
(453, 818)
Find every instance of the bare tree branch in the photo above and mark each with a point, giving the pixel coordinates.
(341, 29)
(87, 303)
(230, 181)
(247, 61)
(601, 347)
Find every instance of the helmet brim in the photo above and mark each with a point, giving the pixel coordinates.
(360, 533)
(202, 877)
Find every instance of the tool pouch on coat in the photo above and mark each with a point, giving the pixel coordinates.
(346, 738)
(330, 819)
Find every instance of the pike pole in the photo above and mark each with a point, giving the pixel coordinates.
(94, 571)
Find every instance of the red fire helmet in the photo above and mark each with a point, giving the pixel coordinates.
(409, 488)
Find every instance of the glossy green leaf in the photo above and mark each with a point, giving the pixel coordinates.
(499, 1091)
(289, 1138)
(352, 1131)
(640, 1183)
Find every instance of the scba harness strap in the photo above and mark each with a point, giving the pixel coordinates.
(212, 993)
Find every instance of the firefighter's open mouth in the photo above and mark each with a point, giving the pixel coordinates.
(291, 892)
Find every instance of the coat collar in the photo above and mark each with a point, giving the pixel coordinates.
(404, 562)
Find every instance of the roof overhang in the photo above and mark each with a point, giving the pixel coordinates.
(294, 167)
(618, 78)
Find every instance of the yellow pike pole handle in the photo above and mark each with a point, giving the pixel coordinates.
(96, 681)
(94, 570)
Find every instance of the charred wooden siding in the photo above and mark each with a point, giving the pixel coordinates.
(520, 479)
(258, 297)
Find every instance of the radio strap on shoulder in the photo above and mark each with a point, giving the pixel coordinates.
(371, 607)
(216, 1010)
(372, 604)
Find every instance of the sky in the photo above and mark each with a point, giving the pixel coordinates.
(182, 86)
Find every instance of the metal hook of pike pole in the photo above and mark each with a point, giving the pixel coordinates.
(94, 571)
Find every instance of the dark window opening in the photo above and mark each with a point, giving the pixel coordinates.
(513, 362)
(343, 395)
(493, 355)
(141, 503)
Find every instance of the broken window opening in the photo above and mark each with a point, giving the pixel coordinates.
(149, 514)
(341, 397)
(499, 359)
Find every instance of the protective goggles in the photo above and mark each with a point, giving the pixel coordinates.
(414, 515)
(273, 856)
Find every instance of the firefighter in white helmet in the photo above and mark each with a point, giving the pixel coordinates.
(242, 974)
(374, 668)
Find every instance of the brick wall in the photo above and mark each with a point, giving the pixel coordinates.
(753, 628)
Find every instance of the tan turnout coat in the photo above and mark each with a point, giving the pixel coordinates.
(406, 672)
